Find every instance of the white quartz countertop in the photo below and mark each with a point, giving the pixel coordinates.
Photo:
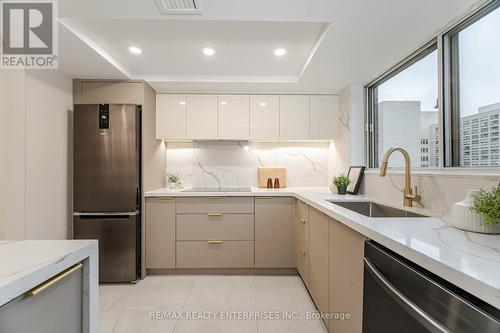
(26, 264)
(471, 261)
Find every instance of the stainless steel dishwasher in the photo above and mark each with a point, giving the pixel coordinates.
(399, 296)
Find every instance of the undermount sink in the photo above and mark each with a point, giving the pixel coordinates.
(372, 209)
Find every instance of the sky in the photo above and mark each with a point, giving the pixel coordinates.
(479, 60)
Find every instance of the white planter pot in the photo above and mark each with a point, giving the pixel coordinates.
(172, 186)
(462, 217)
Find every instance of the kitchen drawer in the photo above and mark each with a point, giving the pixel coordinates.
(215, 226)
(205, 205)
(302, 211)
(204, 254)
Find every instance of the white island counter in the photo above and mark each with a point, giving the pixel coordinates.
(25, 265)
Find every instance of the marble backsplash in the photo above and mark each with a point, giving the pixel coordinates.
(439, 191)
(212, 164)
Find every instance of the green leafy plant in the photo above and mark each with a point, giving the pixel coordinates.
(487, 204)
(172, 178)
(341, 181)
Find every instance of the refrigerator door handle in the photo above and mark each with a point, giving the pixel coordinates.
(106, 214)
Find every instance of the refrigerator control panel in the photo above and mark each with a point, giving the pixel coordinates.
(103, 116)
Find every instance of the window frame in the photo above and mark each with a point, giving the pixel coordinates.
(451, 87)
(372, 102)
(448, 99)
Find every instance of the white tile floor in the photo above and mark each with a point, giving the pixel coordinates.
(127, 308)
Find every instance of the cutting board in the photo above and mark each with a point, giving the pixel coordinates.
(272, 173)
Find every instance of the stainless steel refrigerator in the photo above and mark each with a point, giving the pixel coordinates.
(107, 185)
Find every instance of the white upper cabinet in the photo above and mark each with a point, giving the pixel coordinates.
(234, 117)
(264, 117)
(324, 114)
(202, 117)
(294, 117)
(171, 117)
(243, 117)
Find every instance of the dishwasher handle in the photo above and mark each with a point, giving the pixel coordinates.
(411, 308)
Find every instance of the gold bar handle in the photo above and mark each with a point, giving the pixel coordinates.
(263, 197)
(302, 251)
(215, 242)
(302, 220)
(215, 214)
(215, 197)
(41, 287)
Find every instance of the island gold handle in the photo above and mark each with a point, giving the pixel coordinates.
(41, 287)
(215, 214)
(302, 220)
(215, 241)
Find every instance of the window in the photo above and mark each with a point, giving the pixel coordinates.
(472, 83)
(460, 130)
(403, 112)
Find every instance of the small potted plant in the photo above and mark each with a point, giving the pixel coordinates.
(341, 182)
(172, 181)
(487, 205)
(478, 212)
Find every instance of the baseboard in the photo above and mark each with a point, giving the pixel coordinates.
(224, 271)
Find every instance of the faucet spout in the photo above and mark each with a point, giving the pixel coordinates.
(409, 195)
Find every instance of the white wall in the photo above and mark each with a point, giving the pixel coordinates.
(37, 111)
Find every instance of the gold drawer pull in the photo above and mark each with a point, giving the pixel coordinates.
(302, 251)
(302, 220)
(264, 197)
(215, 197)
(215, 214)
(215, 242)
(41, 287)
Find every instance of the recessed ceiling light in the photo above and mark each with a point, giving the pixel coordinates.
(135, 50)
(182, 103)
(223, 103)
(208, 51)
(279, 52)
(263, 104)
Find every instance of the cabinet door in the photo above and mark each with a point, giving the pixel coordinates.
(111, 92)
(170, 116)
(234, 117)
(301, 240)
(324, 113)
(318, 258)
(160, 233)
(346, 277)
(264, 117)
(273, 232)
(57, 308)
(294, 117)
(201, 117)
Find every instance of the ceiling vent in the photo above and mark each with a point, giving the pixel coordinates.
(179, 7)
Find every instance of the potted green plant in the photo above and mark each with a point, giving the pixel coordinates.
(341, 182)
(478, 212)
(172, 180)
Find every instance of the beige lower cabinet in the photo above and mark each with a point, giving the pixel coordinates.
(301, 240)
(160, 233)
(273, 232)
(346, 251)
(215, 254)
(318, 258)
